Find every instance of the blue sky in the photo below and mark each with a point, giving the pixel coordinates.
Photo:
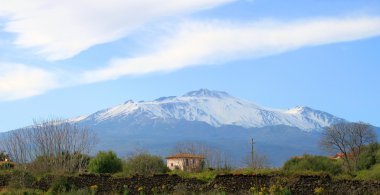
(71, 58)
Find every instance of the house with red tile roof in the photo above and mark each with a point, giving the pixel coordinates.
(337, 156)
(185, 162)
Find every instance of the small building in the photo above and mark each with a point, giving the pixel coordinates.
(185, 162)
(337, 156)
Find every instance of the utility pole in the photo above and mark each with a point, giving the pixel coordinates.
(252, 152)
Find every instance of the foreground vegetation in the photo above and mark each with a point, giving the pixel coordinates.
(22, 176)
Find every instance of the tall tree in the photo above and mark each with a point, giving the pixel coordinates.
(348, 139)
(55, 143)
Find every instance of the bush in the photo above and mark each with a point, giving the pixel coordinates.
(205, 175)
(60, 185)
(21, 179)
(63, 163)
(145, 164)
(370, 174)
(105, 162)
(369, 156)
(314, 163)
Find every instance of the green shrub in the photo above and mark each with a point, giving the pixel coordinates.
(62, 163)
(370, 174)
(377, 155)
(145, 164)
(249, 171)
(369, 156)
(60, 185)
(314, 163)
(105, 162)
(21, 179)
(205, 175)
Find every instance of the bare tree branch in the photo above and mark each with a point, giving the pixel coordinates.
(348, 139)
(57, 143)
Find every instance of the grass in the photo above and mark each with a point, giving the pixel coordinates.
(278, 171)
(250, 171)
(10, 191)
(207, 175)
(371, 174)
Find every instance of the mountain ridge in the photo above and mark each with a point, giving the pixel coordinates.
(216, 108)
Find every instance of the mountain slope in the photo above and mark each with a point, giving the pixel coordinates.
(215, 108)
(278, 143)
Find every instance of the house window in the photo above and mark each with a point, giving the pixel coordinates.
(171, 164)
(187, 162)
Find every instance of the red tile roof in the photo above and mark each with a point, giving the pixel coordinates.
(340, 155)
(185, 155)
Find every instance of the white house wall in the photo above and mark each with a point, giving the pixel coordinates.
(176, 163)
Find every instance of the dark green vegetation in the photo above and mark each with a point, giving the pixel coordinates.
(369, 163)
(145, 164)
(314, 163)
(369, 156)
(367, 167)
(105, 162)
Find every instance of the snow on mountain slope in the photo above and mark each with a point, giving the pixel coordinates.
(215, 108)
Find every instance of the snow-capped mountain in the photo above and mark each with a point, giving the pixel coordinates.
(215, 108)
(213, 119)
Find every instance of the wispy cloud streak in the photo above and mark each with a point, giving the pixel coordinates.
(214, 42)
(59, 30)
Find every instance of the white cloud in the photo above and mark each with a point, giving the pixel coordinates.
(202, 43)
(194, 44)
(20, 81)
(62, 29)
